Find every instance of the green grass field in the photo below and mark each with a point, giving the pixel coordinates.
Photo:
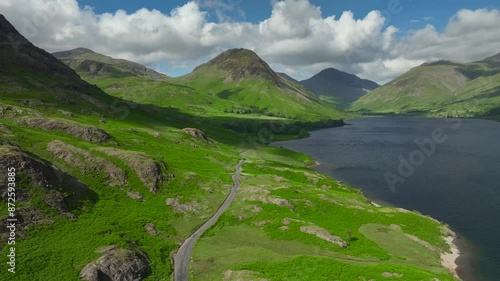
(261, 235)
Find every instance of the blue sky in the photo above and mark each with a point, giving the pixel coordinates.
(374, 39)
(414, 14)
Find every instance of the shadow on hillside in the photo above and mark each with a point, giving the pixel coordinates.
(232, 130)
(223, 129)
(226, 94)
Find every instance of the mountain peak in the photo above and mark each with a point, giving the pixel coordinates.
(335, 73)
(243, 65)
(73, 53)
(241, 52)
(239, 64)
(343, 87)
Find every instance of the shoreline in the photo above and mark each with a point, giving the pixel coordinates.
(449, 259)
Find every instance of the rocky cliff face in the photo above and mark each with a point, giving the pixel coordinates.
(40, 178)
(117, 264)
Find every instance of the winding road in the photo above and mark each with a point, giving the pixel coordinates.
(181, 259)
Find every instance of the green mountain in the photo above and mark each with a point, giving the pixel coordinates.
(237, 82)
(107, 189)
(243, 78)
(87, 61)
(338, 87)
(440, 88)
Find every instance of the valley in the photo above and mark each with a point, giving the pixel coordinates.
(118, 165)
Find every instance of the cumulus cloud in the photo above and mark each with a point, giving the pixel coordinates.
(297, 38)
(469, 35)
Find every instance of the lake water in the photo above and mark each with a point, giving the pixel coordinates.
(446, 168)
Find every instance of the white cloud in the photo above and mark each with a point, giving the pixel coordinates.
(296, 38)
(469, 35)
(422, 19)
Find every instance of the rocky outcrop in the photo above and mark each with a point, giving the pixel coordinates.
(26, 218)
(11, 112)
(88, 133)
(181, 207)
(4, 130)
(117, 264)
(86, 162)
(197, 134)
(148, 170)
(39, 173)
(263, 195)
(135, 195)
(55, 186)
(151, 229)
(323, 234)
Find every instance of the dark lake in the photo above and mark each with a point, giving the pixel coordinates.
(450, 171)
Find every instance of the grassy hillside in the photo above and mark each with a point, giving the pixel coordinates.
(440, 88)
(103, 183)
(240, 77)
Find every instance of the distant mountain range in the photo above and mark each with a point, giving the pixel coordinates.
(338, 87)
(236, 81)
(243, 78)
(239, 81)
(440, 88)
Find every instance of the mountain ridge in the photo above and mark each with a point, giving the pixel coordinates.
(92, 63)
(440, 88)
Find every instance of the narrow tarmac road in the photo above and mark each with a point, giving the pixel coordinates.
(181, 260)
